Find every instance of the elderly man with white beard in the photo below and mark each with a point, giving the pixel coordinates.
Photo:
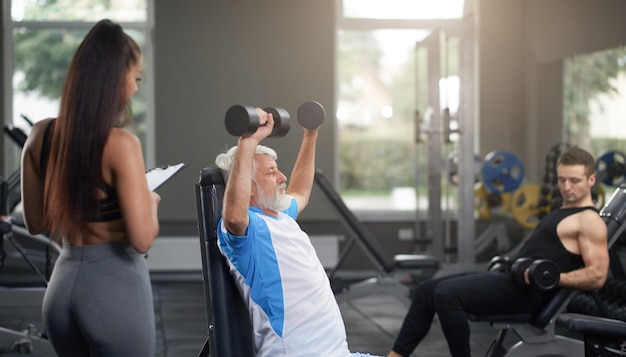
(281, 280)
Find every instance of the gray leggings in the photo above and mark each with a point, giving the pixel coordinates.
(99, 303)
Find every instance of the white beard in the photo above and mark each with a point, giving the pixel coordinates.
(276, 202)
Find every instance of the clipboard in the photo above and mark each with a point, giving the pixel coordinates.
(159, 175)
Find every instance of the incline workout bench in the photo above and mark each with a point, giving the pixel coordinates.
(229, 329)
(537, 331)
(387, 280)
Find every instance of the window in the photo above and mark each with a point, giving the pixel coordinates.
(40, 40)
(403, 9)
(380, 73)
(594, 107)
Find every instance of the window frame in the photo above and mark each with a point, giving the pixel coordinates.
(454, 26)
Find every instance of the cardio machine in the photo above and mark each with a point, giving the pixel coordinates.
(22, 301)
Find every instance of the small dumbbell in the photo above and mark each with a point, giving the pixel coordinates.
(311, 115)
(499, 263)
(543, 274)
(243, 120)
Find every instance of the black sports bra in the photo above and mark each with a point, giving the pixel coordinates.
(108, 207)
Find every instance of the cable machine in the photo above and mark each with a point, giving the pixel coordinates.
(435, 115)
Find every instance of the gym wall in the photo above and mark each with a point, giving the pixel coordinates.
(214, 54)
(521, 45)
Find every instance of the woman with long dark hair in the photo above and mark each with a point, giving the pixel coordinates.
(84, 184)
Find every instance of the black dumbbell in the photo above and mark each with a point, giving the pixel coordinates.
(499, 263)
(243, 120)
(543, 274)
(311, 115)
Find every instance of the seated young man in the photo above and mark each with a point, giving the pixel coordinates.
(573, 236)
(292, 306)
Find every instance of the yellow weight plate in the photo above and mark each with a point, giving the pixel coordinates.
(598, 195)
(480, 201)
(524, 205)
(506, 201)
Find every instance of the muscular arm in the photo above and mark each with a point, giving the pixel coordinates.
(301, 182)
(139, 206)
(592, 242)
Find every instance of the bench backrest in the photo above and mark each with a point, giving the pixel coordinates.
(229, 328)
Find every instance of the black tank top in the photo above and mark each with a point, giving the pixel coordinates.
(545, 243)
(108, 207)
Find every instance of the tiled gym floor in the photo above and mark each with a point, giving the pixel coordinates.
(371, 322)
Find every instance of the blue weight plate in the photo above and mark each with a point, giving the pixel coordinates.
(502, 171)
(611, 168)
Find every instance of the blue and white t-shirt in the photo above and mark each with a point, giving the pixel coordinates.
(289, 298)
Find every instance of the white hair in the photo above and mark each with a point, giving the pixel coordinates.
(225, 160)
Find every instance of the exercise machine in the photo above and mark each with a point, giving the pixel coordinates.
(390, 273)
(19, 302)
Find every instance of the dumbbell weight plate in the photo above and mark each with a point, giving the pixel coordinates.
(499, 263)
(598, 196)
(480, 202)
(544, 275)
(502, 171)
(311, 115)
(241, 120)
(525, 205)
(611, 168)
(282, 121)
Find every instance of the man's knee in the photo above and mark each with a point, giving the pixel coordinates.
(425, 290)
(448, 291)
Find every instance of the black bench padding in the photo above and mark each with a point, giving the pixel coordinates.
(229, 328)
(592, 325)
(538, 319)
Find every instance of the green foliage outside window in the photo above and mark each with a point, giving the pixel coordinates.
(47, 34)
(585, 77)
(44, 56)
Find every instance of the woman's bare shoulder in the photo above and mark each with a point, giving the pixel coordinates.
(36, 132)
(122, 142)
(122, 153)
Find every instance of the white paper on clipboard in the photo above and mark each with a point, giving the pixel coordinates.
(159, 175)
